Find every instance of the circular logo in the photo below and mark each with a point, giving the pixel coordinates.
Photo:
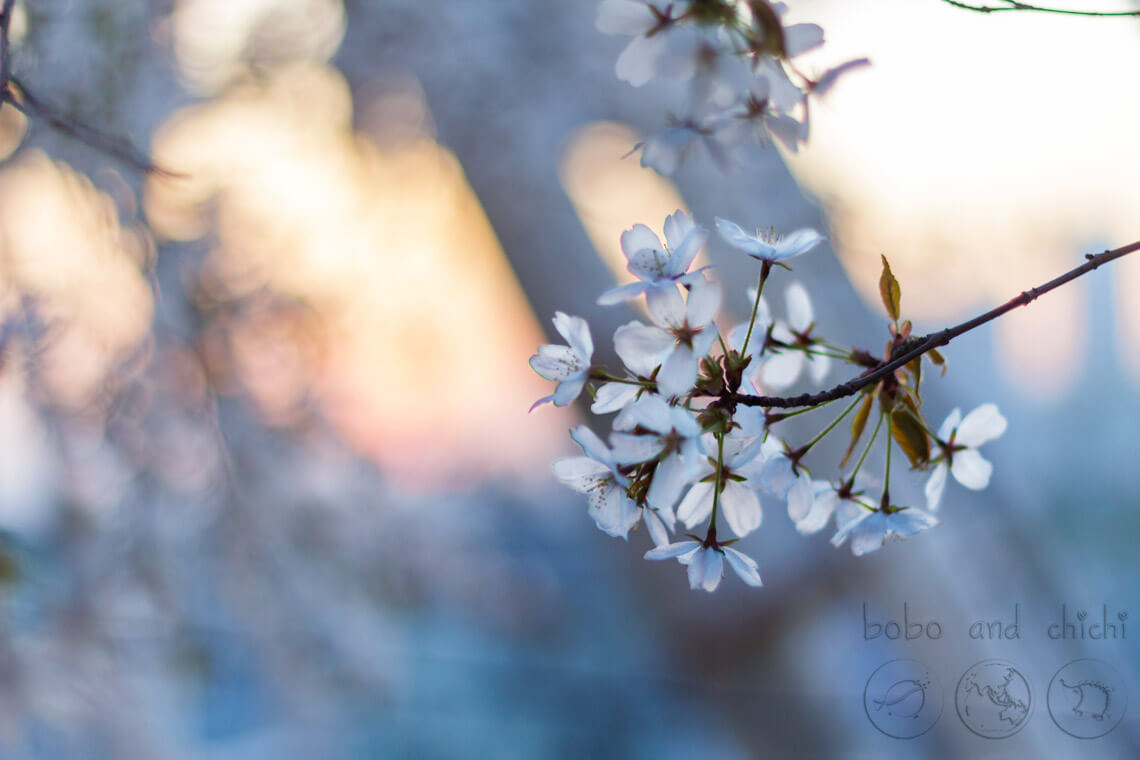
(1087, 698)
(993, 699)
(902, 699)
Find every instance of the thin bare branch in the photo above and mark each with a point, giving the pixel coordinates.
(921, 345)
(30, 105)
(1011, 5)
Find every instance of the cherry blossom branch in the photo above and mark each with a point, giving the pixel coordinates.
(918, 346)
(1011, 5)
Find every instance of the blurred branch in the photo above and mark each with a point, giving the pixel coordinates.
(31, 106)
(1011, 5)
(921, 345)
(13, 91)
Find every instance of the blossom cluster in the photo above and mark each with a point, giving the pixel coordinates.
(693, 440)
(738, 60)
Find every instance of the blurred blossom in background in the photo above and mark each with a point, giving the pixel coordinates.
(268, 484)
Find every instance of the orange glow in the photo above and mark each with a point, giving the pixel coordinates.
(84, 275)
(424, 333)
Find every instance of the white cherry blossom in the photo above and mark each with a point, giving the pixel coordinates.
(650, 24)
(706, 563)
(960, 439)
(783, 366)
(683, 334)
(870, 531)
(737, 502)
(568, 365)
(846, 502)
(665, 150)
(596, 475)
(757, 119)
(767, 245)
(669, 434)
(658, 266)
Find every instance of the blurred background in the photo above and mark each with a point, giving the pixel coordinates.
(268, 485)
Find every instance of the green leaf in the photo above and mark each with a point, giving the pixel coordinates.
(938, 359)
(857, 426)
(912, 439)
(915, 368)
(890, 291)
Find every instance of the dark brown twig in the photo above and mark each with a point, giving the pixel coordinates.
(927, 343)
(1012, 5)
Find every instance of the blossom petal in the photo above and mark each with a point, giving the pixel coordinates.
(981, 425)
(576, 331)
(869, 534)
(638, 62)
(556, 362)
(639, 238)
(704, 301)
(613, 511)
(705, 569)
(677, 226)
(781, 370)
(642, 348)
(697, 504)
(741, 508)
(788, 131)
(581, 473)
(800, 314)
(669, 480)
(818, 365)
(949, 425)
(801, 496)
(750, 244)
(540, 402)
(621, 293)
(936, 485)
(678, 373)
(663, 151)
(612, 397)
(666, 307)
(652, 413)
(656, 528)
(686, 251)
(568, 390)
(744, 566)
(907, 522)
(820, 511)
(800, 38)
(631, 449)
(670, 551)
(591, 444)
(827, 79)
(777, 476)
(971, 469)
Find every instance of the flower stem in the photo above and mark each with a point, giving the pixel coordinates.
(867, 449)
(831, 427)
(787, 415)
(885, 501)
(765, 269)
(717, 483)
